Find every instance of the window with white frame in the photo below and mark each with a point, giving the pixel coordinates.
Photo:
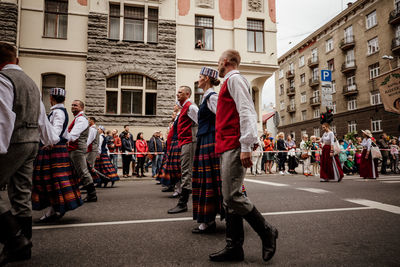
(351, 80)
(373, 70)
(333, 128)
(316, 132)
(352, 104)
(51, 81)
(352, 126)
(371, 20)
(301, 61)
(376, 126)
(291, 83)
(204, 31)
(303, 97)
(314, 54)
(376, 98)
(292, 103)
(282, 105)
(349, 59)
(136, 26)
(131, 93)
(333, 87)
(373, 46)
(291, 67)
(55, 18)
(316, 113)
(304, 115)
(303, 79)
(348, 34)
(315, 74)
(329, 45)
(331, 64)
(281, 89)
(255, 35)
(280, 73)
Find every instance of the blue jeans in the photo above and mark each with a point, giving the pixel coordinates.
(114, 160)
(156, 164)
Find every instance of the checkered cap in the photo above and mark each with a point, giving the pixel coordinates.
(102, 128)
(206, 71)
(57, 91)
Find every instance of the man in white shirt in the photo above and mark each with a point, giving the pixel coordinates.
(77, 147)
(92, 142)
(236, 134)
(22, 123)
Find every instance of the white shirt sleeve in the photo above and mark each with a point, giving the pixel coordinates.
(81, 124)
(239, 88)
(46, 130)
(7, 116)
(101, 140)
(91, 136)
(332, 138)
(58, 121)
(192, 113)
(212, 103)
(369, 144)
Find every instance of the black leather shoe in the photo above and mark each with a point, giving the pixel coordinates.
(178, 209)
(18, 249)
(210, 229)
(229, 253)
(167, 189)
(90, 198)
(174, 196)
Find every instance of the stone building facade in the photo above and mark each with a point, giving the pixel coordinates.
(8, 21)
(351, 45)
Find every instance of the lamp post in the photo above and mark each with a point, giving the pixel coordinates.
(389, 58)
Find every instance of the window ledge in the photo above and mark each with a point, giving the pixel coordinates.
(376, 52)
(367, 29)
(328, 52)
(208, 50)
(59, 38)
(263, 52)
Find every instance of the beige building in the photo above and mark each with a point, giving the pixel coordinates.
(126, 58)
(352, 45)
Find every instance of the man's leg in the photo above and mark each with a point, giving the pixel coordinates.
(154, 165)
(78, 160)
(187, 154)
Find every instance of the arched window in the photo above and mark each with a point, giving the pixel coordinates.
(131, 93)
(50, 81)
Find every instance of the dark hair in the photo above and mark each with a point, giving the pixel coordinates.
(126, 126)
(80, 103)
(93, 119)
(214, 82)
(138, 136)
(58, 98)
(8, 53)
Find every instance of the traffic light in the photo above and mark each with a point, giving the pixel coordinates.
(326, 116)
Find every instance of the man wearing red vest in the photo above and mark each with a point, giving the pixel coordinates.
(187, 131)
(77, 147)
(236, 134)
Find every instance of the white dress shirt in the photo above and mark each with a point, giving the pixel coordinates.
(239, 89)
(57, 119)
(7, 115)
(328, 138)
(92, 134)
(367, 143)
(192, 110)
(101, 140)
(212, 101)
(81, 124)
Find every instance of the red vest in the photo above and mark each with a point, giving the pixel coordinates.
(185, 126)
(72, 146)
(227, 123)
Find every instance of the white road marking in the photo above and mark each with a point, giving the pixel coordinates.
(313, 190)
(263, 182)
(390, 182)
(44, 227)
(376, 205)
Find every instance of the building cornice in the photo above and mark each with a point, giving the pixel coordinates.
(51, 52)
(334, 21)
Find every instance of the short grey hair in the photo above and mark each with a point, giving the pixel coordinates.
(187, 89)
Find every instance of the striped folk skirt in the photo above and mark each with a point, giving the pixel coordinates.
(53, 181)
(162, 172)
(330, 166)
(368, 168)
(172, 173)
(206, 181)
(104, 166)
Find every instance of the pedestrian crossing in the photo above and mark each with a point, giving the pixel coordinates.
(384, 179)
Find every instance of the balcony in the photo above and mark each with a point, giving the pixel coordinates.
(291, 109)
(315, 101)
(349, 90)
(313, 62)
(394, 17)
(349, 66)
(290, 74)
(291, 91)
(396, 45)
(314, 81)
(347, 43)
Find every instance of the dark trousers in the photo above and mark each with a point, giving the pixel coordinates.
(384, 164)
(126, 161)
(281, 162)
(140, 165)
(292, 163)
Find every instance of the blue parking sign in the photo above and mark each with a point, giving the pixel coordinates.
(326, 75)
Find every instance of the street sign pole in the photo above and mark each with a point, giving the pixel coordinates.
(326, 88)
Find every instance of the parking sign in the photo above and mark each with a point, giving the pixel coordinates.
(326, 75)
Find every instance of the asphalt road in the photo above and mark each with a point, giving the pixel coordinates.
(320, 224)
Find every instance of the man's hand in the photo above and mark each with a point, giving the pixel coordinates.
(245, 157)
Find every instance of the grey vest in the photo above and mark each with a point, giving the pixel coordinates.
(26, 106)
(82, 140)
(95, 143)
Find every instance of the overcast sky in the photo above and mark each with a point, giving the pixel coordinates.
(295, 21)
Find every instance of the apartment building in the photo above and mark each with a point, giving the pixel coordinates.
(126, 58)
(352, 45)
